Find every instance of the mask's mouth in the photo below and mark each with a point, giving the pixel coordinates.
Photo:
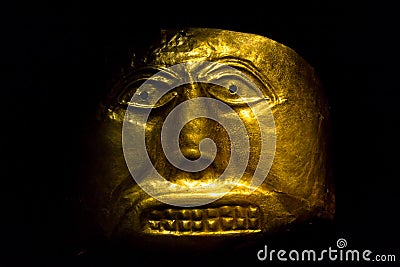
(232, 214)
(241, 211)
(205, 221)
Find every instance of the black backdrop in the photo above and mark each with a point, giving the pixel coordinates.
(56, 60)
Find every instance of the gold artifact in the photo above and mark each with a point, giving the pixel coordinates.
(298, 187)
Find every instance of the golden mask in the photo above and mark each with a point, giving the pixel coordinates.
(297, 187)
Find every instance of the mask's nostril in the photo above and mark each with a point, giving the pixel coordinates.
(191, 153)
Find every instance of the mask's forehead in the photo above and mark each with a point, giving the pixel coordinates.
(209, 44)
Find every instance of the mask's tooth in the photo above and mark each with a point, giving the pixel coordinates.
(156, 215)
(212, 221)
(240, 212)
(197, 226)
(177, 225)
(186, 225)
(186, 215)
(168, 214)
(154, 225)
(212, 213)
(180, 214)
(253, 212)
(241, 224)
(227, 223)
(213, 225)
(173, 214)
(254, 223)
(197, 214)
(163, 225)
(227, 211)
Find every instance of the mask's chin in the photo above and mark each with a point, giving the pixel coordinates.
(241, 217)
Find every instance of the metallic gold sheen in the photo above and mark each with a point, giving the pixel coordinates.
(298, 188)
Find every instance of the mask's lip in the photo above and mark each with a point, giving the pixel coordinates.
(134, 198)
(241, 194)
(228, 199)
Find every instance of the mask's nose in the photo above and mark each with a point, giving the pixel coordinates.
(197, 129)
(190, 137)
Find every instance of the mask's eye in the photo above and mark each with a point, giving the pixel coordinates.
(235, 90)
(148, 94)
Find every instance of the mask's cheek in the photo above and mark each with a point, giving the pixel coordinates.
(220, 136)
(254, 136)
(154, 148)
(299, 165)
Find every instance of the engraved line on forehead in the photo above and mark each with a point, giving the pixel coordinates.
(188, 39)
(191, 48)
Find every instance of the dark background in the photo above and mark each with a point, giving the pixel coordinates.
(57, 60)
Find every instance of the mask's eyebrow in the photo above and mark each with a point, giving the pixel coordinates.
(211, 71)
(164, 75)
(242, 65)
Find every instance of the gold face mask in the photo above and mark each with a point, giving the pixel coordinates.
(297, 186)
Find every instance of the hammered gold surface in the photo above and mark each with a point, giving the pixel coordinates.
(298, 187)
